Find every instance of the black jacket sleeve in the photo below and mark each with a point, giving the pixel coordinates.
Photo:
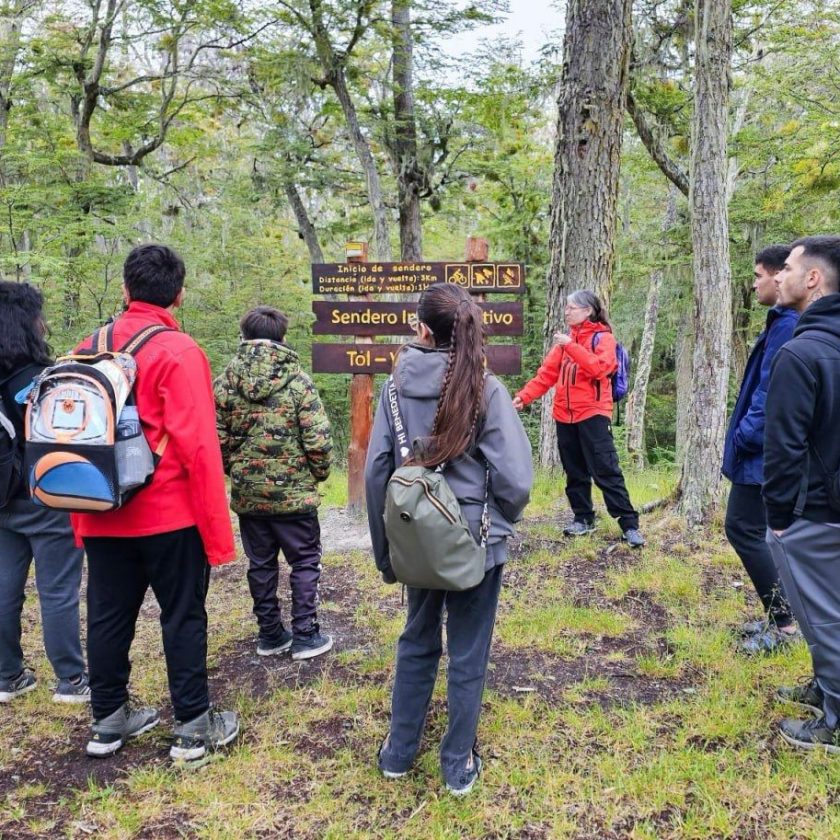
(789, 412)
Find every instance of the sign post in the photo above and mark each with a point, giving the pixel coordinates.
(361, 406)
(363, 318)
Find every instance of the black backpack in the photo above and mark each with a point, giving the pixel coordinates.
(11, 455)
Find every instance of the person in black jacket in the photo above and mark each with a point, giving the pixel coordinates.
(801, 461)
(743, 464)
(30, 532)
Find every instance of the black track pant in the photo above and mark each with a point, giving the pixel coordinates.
(120, 570)
(588, 454)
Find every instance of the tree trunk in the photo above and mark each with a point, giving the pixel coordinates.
(593, 89)
(644, 358)
(700, 481)
(304, 223)
(409, 174)
(683, 361)
(10, 26)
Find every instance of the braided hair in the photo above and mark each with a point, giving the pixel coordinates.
(457, 323)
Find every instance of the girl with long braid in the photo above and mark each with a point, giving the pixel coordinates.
(459, 417)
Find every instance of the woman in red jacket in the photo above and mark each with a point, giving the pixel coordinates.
(579, 367)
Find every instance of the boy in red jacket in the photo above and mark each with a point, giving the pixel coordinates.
(168, 535)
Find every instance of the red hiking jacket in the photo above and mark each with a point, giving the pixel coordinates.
(581, 376)
(174, 395)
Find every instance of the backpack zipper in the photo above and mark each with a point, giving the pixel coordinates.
(428, 492)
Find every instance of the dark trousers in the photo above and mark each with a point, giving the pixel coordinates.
(30, 532)
(746, 530)
(807, 556)
(587, 451)
(120, 570)
(299, 538)
(470, 618)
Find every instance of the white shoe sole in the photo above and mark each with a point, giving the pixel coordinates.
(814, 709)
(96, 749)
(809, 745)
(310, 654)
(390, 774)
(8, 696)
(76, 699)
(199, 756)
(275, 650)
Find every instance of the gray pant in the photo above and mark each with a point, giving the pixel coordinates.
(470, 618)
(807, 556)
(29, 531)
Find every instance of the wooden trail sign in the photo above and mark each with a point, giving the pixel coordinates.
(379, 358)
(360, 278)
(381, 318)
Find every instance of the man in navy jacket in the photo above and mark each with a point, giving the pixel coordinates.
(743, 463)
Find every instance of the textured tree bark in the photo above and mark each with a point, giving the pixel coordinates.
(700, 481)
(683, 362)
(410, 176)
(593, 89)
(333, 66)
(304, 223)
(644, 358)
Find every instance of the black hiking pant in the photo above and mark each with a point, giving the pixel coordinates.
(587, 451)
(746, 530)
(120, 571)
(299, 538)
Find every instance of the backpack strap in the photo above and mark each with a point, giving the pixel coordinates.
(400, 429)
(139, 339)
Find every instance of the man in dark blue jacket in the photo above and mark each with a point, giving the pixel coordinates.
(743, 463)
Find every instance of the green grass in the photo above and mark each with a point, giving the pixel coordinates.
(617, 708)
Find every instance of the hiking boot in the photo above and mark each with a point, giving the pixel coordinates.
(811, 734)
(23, 683)
(75, 690)
(388, 774)
(807, 694)
(466, 781)
(196, 739)
(578, 528)
(769, 640)
(633, 537)
(274, 645)
(110, 733)
(306, 647)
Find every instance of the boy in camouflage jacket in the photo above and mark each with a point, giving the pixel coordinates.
(276, 446)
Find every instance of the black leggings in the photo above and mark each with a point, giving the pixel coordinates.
(588, 454)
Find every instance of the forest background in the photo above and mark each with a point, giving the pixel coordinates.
(258, 137)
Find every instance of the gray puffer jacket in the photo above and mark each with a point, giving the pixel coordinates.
(501, 442)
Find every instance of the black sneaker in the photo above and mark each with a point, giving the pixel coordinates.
(812, 734)
(197, 738)
(110, 733)
(75, 690)
(807, 694)
(466, 781)
(388, 774)
(633, 537)
(17, 686)
(307, 647)
(276, 644)
(578, 528)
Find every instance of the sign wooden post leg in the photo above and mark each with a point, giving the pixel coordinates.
(361, 413)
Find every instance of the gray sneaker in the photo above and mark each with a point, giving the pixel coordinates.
(578, 528)
(633, 537)
(469, 776)
(306, 647)
(110, 733)
(14, 687)
(770, 640)
(274, 645)
(73, 690)
(196, 739)
(807, 694)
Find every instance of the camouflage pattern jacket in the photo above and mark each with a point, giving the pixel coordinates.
(273, 429)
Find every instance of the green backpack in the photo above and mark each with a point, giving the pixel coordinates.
(430, 543)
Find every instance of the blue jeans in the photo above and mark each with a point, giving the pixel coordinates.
(27, 532)
(470, 618)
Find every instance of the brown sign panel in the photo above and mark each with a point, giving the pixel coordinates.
(378, 358)
(381, 318)
(411, 278)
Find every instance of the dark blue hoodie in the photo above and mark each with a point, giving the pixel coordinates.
(743, 452)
